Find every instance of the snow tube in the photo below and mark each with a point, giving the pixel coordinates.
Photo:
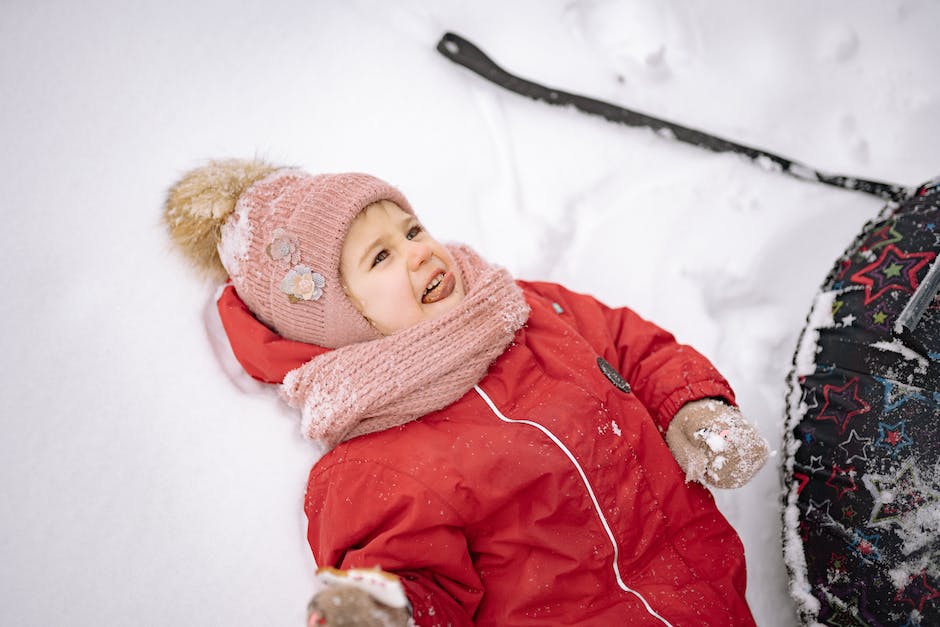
(862, 467)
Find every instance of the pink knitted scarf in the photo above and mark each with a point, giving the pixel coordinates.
(370, 386)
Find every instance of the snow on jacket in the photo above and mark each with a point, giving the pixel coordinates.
(546, 495)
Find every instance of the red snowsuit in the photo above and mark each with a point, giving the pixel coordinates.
(546, 495)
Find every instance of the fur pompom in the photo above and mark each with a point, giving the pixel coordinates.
(200, 202)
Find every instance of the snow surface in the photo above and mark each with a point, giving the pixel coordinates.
(144, 485)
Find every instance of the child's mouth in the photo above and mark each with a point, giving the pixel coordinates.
(440, 287)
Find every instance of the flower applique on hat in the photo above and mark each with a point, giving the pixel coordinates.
(302, 283)
(283, 248)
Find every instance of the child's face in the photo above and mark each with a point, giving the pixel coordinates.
(395, 273)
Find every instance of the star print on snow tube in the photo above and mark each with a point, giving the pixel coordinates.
(862, 470)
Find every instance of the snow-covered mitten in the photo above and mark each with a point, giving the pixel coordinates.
(714, 444)
(359, 597)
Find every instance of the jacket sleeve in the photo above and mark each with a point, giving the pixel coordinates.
(362, 515)
(662, 373)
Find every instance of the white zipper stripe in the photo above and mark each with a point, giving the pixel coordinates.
(590, 491)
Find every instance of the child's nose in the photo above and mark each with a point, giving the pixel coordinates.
(418, 253)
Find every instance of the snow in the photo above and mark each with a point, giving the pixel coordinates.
(820, 317)
(897, 346)
(144, 485)
(714, 441)
(235, 240)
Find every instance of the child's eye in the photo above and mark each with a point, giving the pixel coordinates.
(379, 258)
(414, 231)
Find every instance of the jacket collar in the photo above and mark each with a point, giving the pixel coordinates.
(263, 354)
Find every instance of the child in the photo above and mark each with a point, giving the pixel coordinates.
(505, 452)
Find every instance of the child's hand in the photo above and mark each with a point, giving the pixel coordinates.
(358, 597)
(714, 444)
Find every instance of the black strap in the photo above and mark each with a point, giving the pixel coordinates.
(464, 53)
(855, 350)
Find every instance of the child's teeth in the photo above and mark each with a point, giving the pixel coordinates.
(432, 286)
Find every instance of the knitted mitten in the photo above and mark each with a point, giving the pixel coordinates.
(358, 598)
(714, 444)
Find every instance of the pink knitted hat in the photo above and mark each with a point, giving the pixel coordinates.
(281, 247)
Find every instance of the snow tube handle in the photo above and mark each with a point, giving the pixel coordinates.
(464, 53)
